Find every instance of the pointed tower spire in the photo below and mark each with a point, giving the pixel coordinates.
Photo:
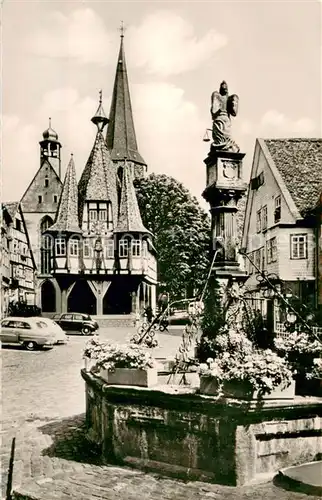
(98, 181)
(120, 137)
(67, 214)
(129, 220)
(99, 119)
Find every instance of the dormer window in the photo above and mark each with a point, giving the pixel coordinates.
(102, 215)
(93, 215)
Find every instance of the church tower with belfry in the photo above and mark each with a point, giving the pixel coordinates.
(40, 200)
(95, 254)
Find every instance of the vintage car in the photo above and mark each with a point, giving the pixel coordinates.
(31, 333)
(76, 323)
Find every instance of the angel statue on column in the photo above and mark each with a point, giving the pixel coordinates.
(222, 108)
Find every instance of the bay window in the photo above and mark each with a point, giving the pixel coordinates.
(60, 247)
(74, 247)
(136, 248)
(109, 249)
(123, 248)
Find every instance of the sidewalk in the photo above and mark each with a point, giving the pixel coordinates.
(53, 461)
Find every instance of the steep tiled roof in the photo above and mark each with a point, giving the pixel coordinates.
(299, 162)
(120, 136)
(98, 180)
(129, 215)
(67, 216)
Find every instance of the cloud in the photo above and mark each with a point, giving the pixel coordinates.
(169, 131)
(278, 124)
(273, 124)
(71, 118)
(166, 44)
(81, 36)
(168, 126)
(19, 151)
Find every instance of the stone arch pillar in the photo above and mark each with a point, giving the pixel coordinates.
(57, 289)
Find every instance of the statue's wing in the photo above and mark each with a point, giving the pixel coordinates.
(232, 104)
(215, 102)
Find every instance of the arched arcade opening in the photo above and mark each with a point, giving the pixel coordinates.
(82, 299)
(48, 297)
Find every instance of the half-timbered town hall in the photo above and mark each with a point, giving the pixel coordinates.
(92, 250)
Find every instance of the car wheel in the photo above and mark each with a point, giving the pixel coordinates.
(85, 330)
(30, 346)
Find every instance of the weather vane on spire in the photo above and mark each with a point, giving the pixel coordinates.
(100, 96)
(122, 29)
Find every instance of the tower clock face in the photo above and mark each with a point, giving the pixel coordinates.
(230, 170)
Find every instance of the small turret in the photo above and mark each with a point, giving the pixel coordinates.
(50, 149)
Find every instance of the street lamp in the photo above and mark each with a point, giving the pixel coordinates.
(291, 317)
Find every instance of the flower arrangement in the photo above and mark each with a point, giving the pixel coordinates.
(110, 356)
(237, 360)
(301, 350)
(93, 347)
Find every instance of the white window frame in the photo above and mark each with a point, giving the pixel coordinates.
(271, 250)
(298, 246)
(101, 212)
(109, 249)
(123, 248)
(264, 218)
(258, 259)
(60, 247)
(277, 205)
(259, 220)
(87, 248)
(136, 248)
(73, 247)
(92, 215)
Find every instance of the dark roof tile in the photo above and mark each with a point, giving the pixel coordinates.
(299, 162)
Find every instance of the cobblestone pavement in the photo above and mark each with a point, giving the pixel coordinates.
(43, 406)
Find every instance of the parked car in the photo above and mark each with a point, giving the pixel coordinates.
(76, 323)
(31, 333)
(60, 335)
(179, 317)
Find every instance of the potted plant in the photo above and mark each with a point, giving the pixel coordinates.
(303, 351)
(126, 365)
(239, 370)
(92, 349)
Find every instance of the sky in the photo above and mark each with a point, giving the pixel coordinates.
(56, 56)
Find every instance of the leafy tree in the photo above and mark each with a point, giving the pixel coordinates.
(213, 321)
(181, 231)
